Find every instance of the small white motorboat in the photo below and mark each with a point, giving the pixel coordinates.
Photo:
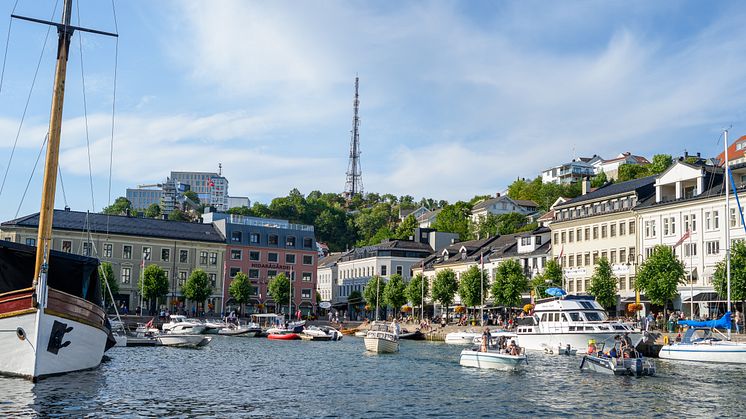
(492, 359)
(180, 324)
(233, 330)
(636, 366)
(321, 333)
(461, 338)
(361, 333)
(560, 350)
(183, 340)
(380, 339)
(705, 343)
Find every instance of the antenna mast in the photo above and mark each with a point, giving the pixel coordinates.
(354, 184)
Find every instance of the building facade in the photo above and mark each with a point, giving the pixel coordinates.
(326, 276)
(142, 198)
(502, 204)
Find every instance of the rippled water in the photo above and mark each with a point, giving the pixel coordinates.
(239, 376)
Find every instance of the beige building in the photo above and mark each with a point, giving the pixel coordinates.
(600, 224)
(129, 243)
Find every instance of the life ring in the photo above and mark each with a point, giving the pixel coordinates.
(665, 340)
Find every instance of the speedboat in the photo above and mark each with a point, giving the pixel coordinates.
(233, 330)
(180, 324)
(571, 320)
(700, 343)
(494, 356)
(283, 335)
(630, 363)
(183, 340)
(213, 328)
(380, 339)
(321, 333)
(461, 338)
(416, 335)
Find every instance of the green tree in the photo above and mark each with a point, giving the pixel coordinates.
(279, 290)
(509, 284)
(120, 207)
(510, 223)
(737, 274)
(454, 219)
(393, 293)
(192, 196)
(660, 275)
(406, 228)
(473, 288)
(241, 289)
(153, 211)
(178, 215)
(599, 180)
(373, 292)
(544, 194)
(444, 288)
(551, 277)
(416, 287)
(631, 171)
(197, 288)
(107, 277)
(603, 284)
(660, 163)
(154, 285)
(486, 226)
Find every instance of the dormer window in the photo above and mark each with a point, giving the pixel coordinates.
(538, 240)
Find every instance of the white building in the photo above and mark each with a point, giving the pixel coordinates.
(326, 276)
(611, 167)
(502, 204)
(238, 202)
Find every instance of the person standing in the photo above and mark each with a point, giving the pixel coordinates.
(739, 320)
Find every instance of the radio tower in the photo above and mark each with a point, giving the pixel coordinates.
(354, 184)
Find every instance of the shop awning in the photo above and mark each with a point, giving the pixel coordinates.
(707, 297)
(643, 299)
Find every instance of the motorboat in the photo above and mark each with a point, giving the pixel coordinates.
(570, 320)
(461, 338)
(495, 356)
(235, 330)
(630, 363)
(416, 335)
(561, 350)
(283, 335)
(183, 340)
(321, 333)
(360, 333)
(702, 341)
(213, 327)
(381, 339)
(181, 325)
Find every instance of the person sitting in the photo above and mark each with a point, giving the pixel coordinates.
(591, 348)
(678, 338)
(514, 349)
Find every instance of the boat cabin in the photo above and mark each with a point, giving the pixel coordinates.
(569, 314)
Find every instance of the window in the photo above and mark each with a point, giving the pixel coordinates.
(126, 252)
(622, 228)
(734, 220)
(690, 249)
(305, 293)
(30, 242)
(587, 259)
(563, 235)
(236, 254)
(253, 273)
(556, 237)
(183, 256)
(306, 277)
(146, 253)
(234, 270)
(711, 220)
(399, 270)
(87, 249)
(383, 270)
(571, 261)
(67, 246)
(254, 237)
(525, 241)
(271, 274)
(182, 278)
(165, 254)
(603, 231)
(587, 234)
(273, 239)
(612, 230)
(622, 255)
(570, 237)
(126, 274)
(712, 247)
(213, 280)
(307, 243)
(578, 235)
(669, 226)
(290, 241)
(595, 232)
(236, 236)
(538, 240)
(213, 258)
(203, 258)
(612, 257)
(307, 260)
(631, 227)
(290, 258)
(632, 256)
(650, 228)
(254, 255)
(108, 249)
(272, 257)
(690, 222)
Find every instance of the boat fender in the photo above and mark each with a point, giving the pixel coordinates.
(665, 340)
(582, 363)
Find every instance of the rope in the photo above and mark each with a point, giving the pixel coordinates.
(7, 42)
(28, 100)
(62, 184)
(85, 110)
(113, 107)
(46, 138)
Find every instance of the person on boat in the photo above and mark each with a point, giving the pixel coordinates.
(591, 347)
(678, 338)
(514, 349)
(626, 341)
(613, 353)
(486, 338)
(395, 328)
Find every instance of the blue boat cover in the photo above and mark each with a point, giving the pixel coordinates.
(721, 323)
(555, 292)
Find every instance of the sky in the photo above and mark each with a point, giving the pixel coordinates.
(457, 98)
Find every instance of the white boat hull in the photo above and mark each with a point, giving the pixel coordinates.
(491, 360)
(461, 338)
(579, 341)
(381, 345)
(186, 340)
(720, 352)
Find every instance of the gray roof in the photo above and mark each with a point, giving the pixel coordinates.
(331, 259)
(128, 226)
(490, 201)
(643, 186)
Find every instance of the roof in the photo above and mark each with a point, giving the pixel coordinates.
(429, 214)
(330, 260)
(488, 202)
(612, 189)
(128, 226)
(733, 153)
(625, 155)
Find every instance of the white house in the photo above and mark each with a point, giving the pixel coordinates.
(611, 167)
(502, 204)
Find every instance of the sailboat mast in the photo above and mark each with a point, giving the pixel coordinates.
(51, 164)
(378, 283)
(727, 223)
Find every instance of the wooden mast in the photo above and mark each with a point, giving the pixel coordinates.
(44, 238)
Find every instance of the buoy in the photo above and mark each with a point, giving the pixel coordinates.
(665, 340)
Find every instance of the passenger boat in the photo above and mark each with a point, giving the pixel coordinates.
(570, 320)
(701, 343)
(461, 338)
(492, 356)
(632, 364)
(180, 324)
(380, 339)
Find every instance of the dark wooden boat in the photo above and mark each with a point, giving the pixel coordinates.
(416, 335)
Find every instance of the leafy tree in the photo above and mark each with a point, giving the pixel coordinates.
(119, 207)
(631, 171)
(192, 196)
(603, 284)
(444, 288)
(373, 291)
(197, 287)
(416, 287)
(454, 219)
(178, 215)
(241, 289)
(660, 163)
(473, 287)
(551, 277)
(154, 285)
(660, 275)
(279, 289)
(486, 226)
(544, 194)
(107, 277)
(509, 283)
(510, 223)
(599, 180)
(406, 228)
(393, 293)
(153, 211)
(737, 274)
(355, 298)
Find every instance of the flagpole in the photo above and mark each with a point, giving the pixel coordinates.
(691, 278)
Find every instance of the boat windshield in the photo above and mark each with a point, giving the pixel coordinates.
(594, 316)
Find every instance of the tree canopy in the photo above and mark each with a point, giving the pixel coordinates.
(241, 289)
(197, 287)
(737, 274)
(444, 287)
(659, 275)
(509, 283)
(454, 219)
(473, 288)
(153, 211)
(154, 283)
(551, 277)
(393, 293)
(279, 290)
(544, 194)
(119, 207)
(373, 292)
(107, 277)
(603, 284)
(417, 286)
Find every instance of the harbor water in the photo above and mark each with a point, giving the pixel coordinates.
(243, 377)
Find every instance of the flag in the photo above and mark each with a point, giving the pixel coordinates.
(149, 324)
(210, 183)
(562, 251)
(681, 240)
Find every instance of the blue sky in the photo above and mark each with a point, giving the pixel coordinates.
(457, 98)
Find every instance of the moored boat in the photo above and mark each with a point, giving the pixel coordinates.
(416, 335)
(183, 340)
(492, 359)
(380, 339)
(701, 343)
(461, 338)
(283, 335)
(180, 324)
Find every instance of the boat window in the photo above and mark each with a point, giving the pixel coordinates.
(593, 317)
(603, 327)
(544, 317)
(572, 328)
(618, 327)
(564, 317)
(575, 316)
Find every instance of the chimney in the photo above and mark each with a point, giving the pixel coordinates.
(497, 195)
(698, 155)
(585, 186)
(686, 154)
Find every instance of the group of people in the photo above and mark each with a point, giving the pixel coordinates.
(502, 345)
(622, 348)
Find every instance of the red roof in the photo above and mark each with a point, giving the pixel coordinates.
(733, 154)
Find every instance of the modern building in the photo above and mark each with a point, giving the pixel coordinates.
(571, 172)
(600, 224)
(502, 204)
(142, 198)
(131, 243)
(262, 248)
(238, 202)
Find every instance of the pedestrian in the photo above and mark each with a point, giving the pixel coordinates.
(739, 320)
